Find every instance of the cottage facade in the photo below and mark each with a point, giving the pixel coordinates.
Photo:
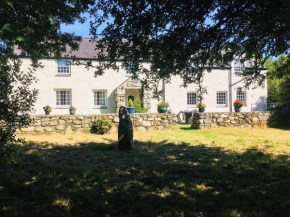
(62, 85)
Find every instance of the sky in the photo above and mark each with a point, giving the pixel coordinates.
(84, 29)
(80, 29)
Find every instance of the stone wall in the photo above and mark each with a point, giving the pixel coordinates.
(229, 119)
(68, 124)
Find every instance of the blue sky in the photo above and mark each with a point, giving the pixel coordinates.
(84, 29)
(80, 29)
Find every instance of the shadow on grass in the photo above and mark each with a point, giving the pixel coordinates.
(188, 127)
(154, 179)
(281, 128)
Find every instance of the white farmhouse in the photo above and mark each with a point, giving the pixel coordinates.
(62, 85)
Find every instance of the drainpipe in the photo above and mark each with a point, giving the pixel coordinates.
(163, 88)
(230, 90)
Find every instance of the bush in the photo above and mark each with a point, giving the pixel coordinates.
(138, 107)
(101, 126)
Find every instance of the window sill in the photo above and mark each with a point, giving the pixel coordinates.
(100, 107)
(62, 107)
(221, 106)
(191, 106)
(62, 75)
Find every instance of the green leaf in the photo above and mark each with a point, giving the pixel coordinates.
(6, 2)
(22, 38)
(10, 32)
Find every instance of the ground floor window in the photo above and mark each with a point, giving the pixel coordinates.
(191, 99)
(241, 96)
(63, 98)
(100, 98)
(221, 99)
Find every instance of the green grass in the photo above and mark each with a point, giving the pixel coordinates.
(220, 172)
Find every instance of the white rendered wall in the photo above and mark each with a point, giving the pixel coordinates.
(256, 97)
(82, 82)
(215, 81)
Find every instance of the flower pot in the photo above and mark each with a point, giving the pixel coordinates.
(201, 109)
(162, 109)
(238, 108)
(72, 111)
(47, 112)
(131, 110)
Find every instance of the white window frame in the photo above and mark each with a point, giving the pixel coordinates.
(245, 94)
(226, 99)
(62, 106)
(191, 105)
(106, 98)
(240, 66)
(63, 74)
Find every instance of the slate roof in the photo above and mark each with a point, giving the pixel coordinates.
(87, 50)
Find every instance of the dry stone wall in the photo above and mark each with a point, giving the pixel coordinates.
(229, 119)
(69, 124)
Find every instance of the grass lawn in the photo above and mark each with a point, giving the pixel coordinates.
(184, 172)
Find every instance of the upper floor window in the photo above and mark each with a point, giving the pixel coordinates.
(63, 67)
(221, 99)
(241, 96)
(63, 98)
(238, 66)
(100, 98)
(191, 99)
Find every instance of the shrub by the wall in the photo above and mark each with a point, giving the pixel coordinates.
(138, 106)
(101, 126)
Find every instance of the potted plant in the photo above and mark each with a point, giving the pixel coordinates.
(72, 110)
(163, 107)
(47, 109)
(131, 108)
(201, 107)
(238, 104)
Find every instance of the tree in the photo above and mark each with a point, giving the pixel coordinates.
(30, 28)
(272, 82)
(186, 38)
(279, 81)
